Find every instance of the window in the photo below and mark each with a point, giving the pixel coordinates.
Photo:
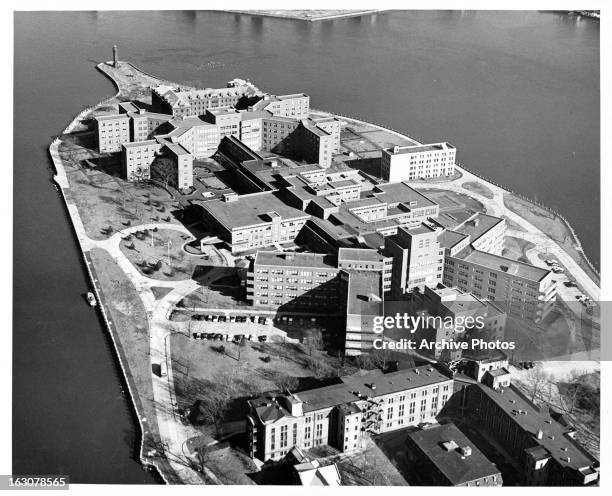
(272, 439)
(294, 434)
(283, 436)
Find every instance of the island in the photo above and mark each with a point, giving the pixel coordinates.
(244, 249)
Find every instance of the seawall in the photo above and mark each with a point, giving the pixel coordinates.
(61, 180)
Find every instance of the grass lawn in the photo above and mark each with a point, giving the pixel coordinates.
(510, 224)
(550, 224)
(220, 288)
(479, 188)
(107, 203)
(516, 248)
(199, 368)
(148, 251)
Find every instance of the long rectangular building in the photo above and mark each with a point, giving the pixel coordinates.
(409, 163)
(341, 415)
(254, 221)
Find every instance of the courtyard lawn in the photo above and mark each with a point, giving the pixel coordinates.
(516, 248)
(479, 188)
(160, 255)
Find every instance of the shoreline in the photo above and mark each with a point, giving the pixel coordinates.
(301, 17)
(63, 185)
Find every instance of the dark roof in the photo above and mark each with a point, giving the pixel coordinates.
(456, 468)
(394, 382)
(561, 447)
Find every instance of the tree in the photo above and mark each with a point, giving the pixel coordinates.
(285, 382)
(165, 170)
(535, 380)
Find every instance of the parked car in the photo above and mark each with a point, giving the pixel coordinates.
(195, 335)
(218, 337)
(262, 339)
(210, 335)
(238, 337)
(570, 284)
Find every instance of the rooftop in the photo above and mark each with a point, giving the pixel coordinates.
(375, 383)
(399, 193)
(442, 446)
(364, 292)
(358, 255)
(507, 265)
(251, 210)
(433, 147)
(531, 419)
(477, 225)
(291, 259)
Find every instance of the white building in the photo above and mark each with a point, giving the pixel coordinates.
(408, 163)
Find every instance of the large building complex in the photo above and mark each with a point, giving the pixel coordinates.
(341, 415)
(409, 163)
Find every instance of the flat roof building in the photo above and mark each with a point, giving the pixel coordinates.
(409, 163)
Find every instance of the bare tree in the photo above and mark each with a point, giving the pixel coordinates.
(536, 380)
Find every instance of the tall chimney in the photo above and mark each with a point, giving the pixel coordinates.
(115, 56)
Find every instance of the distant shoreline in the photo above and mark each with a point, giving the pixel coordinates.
(306, 15)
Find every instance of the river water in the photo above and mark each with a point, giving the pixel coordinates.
(516, 92)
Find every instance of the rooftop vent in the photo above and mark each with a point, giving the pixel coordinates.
(466, 450)
(450, 445)
(540, 434)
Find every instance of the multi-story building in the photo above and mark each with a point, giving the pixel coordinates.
(444, 456)
(341, 415)
(363, 259)
(462, 316)
(296, 281)
(333, 126)
(254, 221)
(418, 259)
(537, 442)
(112, 131)
(275, 131)
(521, 289)
(184, 165)
(295, 106)
(187, 102)
(137, 159)
(364, 294)
(408, 163)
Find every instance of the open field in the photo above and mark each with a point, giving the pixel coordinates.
(552, 225)
(478, 188)
(160, 255)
